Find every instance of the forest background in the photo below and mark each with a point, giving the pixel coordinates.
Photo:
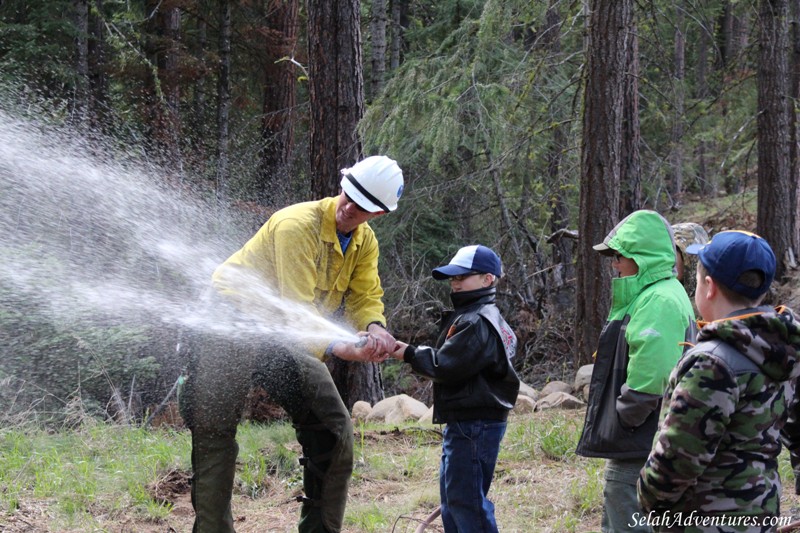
(531, 127)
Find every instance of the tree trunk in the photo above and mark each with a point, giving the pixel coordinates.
(794, 153)
(163, 84)
(336, 91)
(631, 166)
(725, 41)
(277, 132)
(81, 101)
(223, 99)
(171, 61)
(399, 22)
(198, 119)
(559, 219)
(708, 184)
(774, 219)
(676, 183)
(378, 35)
(98, 75)
(519, 262)
(171, 80)
(604, 100)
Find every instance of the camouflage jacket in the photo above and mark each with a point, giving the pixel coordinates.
(716, 452)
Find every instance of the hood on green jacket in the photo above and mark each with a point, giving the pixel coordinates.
(646, 237)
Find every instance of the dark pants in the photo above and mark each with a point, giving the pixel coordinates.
(469, 456)
(220, 376)
(620, 502)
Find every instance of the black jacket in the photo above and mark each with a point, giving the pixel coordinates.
(471, 370)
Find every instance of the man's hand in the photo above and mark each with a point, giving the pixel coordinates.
(385, 339)
(370, 352)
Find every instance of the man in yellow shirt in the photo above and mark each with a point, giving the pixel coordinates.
(322, 254)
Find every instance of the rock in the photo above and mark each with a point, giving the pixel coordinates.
(560, 400)
(427, 418)
(528, 391)
(525, 404)
(583, 377)
(586, 393)
(556, 386)
(397, 409)
(382, 408)
(361, 410)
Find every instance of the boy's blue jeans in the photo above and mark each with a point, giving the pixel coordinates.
(469, 455)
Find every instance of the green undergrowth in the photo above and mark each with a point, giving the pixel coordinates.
(98, 475)
(97, 468)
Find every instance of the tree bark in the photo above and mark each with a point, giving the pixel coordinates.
(399, 22)
(725, 40)
(604, 100)
(163, 84)
(171, 77)
(378, 36)
(559, 220)
(277, 131)
(98, 75)
(198, 119)
(676, 183)
(708, 184)
(774, 219)
(223, 99)
(631, 166)
(81, 101)
(794, 153)
(336, 92)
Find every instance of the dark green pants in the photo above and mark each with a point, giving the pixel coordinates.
(220, 375)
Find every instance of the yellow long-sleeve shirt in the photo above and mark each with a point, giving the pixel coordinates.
(297, 253)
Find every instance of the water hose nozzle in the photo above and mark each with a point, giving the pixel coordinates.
(360, 343)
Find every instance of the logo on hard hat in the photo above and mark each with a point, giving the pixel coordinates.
(400, 191)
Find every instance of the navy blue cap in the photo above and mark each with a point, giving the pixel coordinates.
(471, 260)
(732, 253)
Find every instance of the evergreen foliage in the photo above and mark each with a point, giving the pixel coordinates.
(483, 114)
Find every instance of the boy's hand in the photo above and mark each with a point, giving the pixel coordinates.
(399, 350)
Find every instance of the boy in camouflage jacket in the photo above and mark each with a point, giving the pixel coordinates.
(714, 463)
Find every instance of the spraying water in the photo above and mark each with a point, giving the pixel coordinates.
(90, 235)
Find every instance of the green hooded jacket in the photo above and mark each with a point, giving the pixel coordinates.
(650, 317)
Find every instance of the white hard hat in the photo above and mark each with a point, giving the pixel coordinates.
(375, 184)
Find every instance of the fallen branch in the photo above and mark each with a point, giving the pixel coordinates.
(788, 528)
(429, 520)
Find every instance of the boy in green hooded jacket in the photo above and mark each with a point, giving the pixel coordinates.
(650, 317)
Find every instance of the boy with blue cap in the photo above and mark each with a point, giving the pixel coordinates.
(474, 387)
(714, 463)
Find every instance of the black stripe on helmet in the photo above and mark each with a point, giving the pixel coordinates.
(349, 177)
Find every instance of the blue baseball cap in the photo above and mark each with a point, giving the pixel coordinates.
(730, 254)
(470, 260)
